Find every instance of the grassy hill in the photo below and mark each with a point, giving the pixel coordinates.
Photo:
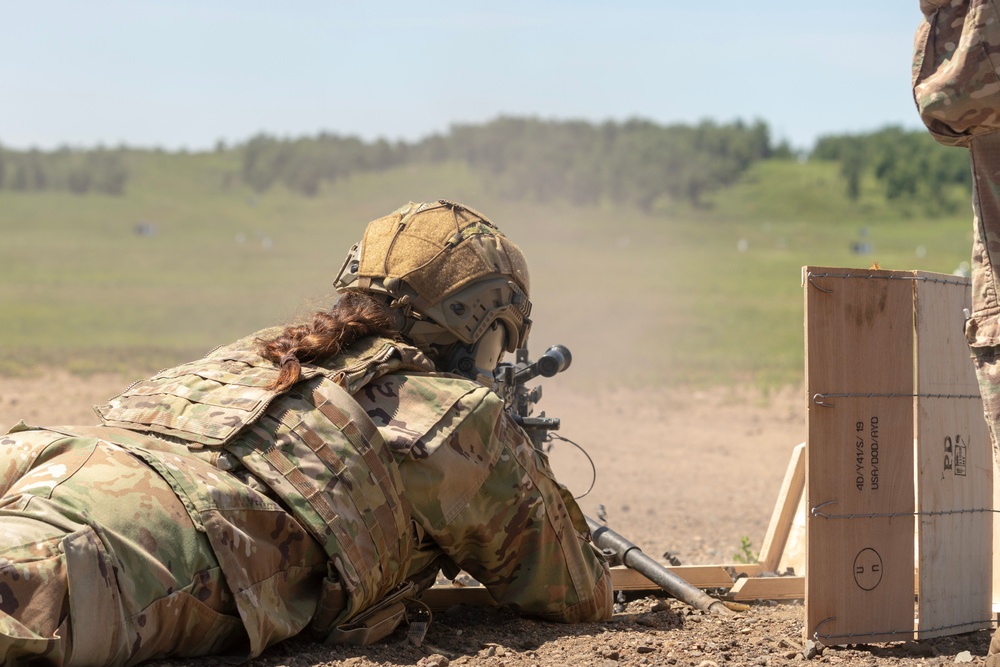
(189, 259)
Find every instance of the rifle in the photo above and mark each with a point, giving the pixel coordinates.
(519, 402)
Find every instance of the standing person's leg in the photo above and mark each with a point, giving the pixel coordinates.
(983, 327)
(957, 91)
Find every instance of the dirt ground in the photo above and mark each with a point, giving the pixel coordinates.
(689, 472)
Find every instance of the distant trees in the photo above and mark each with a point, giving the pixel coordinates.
(532, 159)
(77, 171)
(683, 162)
(636, 162)
(907, 164)
(304, 164)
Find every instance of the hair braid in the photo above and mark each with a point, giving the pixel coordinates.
(354, 316)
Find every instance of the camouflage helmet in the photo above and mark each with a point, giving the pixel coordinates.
(447, 269)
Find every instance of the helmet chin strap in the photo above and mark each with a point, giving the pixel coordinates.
(476, 361)
(479, 360)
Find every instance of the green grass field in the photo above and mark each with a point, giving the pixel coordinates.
(680, 296)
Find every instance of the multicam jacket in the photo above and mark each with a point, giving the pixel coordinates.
(395, 471)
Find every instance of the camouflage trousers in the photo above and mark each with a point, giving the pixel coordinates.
(956, 92)
(102, 564)
(983, 328)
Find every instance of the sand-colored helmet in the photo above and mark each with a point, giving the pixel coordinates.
(448, 270)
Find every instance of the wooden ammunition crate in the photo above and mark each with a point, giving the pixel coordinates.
(899, 466)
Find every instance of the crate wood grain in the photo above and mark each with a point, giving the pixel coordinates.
(954, 467)
(859, 455)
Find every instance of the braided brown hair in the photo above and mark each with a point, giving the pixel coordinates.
(354, 316)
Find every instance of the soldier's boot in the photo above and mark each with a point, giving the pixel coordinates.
(993, 655)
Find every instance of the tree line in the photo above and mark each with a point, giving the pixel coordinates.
(634, 162)
(905, 165)
(65, 169)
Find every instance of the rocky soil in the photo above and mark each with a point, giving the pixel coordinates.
(694, 473)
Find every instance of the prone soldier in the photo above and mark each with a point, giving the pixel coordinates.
(308, 478)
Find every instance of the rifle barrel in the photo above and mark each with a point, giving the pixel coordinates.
(632, 557)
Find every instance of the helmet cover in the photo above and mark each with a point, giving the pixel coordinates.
(446, 263)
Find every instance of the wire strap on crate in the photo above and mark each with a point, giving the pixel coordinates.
(820, 399)
(964, 282)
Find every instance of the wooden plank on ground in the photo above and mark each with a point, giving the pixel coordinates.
(785, 508)
(859, 454)
(444, 597)
(700, 576)
(954, 466)
(767, 588)
(794, 554)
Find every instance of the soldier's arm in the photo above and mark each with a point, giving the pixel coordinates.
(955, 59)
(490, 502)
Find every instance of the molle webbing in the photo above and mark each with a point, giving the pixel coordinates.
(313, 495)
(313, 445)
(336, 473)
(362, 432)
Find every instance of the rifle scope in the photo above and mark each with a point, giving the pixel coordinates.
(556, 359)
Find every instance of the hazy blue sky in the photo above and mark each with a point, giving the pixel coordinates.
(185, 73)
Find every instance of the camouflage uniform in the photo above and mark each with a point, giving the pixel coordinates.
(957, 91)
(956, 87)
(208, 515)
